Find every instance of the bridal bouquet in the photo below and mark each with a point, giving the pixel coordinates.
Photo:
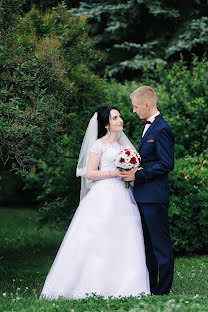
(127, 159)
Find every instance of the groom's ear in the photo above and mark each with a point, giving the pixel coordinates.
(148, 105)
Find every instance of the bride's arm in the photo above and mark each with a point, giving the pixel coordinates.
(92, 169)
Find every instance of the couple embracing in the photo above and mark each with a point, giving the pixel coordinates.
(118, 242)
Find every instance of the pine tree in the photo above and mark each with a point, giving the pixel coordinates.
(139, 34)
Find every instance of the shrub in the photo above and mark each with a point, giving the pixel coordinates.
(56, 188)
(189, 204)
(47, 86)
(48, 92)
(182, 99)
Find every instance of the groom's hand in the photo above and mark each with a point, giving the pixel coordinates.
(129, 175)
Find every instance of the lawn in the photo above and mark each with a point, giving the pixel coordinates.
(27, 253)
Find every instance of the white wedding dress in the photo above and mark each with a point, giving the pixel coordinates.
(103, 248)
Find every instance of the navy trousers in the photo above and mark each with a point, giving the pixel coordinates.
(158, 246)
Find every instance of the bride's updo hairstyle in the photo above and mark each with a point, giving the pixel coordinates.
(104, 119)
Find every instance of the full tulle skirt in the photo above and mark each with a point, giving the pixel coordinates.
(103, 251)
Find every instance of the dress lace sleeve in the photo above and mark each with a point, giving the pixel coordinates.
(97, 147)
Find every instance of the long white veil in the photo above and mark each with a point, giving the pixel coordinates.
(90, 137)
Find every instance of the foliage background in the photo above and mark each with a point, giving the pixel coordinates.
(47, 97)
(51, 63)
(141, 33)
(183, 101)
(144, 33)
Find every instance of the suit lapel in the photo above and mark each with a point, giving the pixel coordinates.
(140, 139)
(155, 122)
(142, 132)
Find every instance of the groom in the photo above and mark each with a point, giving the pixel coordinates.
(156, 148)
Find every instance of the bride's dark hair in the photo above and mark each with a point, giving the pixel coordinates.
(104, 119)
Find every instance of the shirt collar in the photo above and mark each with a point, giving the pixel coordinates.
(152, 118)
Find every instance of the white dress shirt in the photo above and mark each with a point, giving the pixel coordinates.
(151, 119)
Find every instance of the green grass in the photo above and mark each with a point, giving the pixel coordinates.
(26, 255)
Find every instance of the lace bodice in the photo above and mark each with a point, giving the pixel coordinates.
(108, 153)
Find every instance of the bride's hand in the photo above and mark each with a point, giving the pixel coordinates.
(116, 173)
(130, 174)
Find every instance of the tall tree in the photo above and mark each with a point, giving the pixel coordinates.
(143, 33)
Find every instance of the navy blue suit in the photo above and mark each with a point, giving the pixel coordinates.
(152, 195)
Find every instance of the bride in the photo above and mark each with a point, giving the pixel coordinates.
(103, 248)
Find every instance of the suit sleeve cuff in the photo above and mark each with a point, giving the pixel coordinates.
(141, 176)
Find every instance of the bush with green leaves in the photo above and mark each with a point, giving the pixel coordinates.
(47, 86)
(189, 204)
(182, 99)
(56, 188)
(48, 92)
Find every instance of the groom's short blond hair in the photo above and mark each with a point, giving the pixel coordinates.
(146, 94)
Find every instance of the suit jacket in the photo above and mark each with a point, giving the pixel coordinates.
(156, 149)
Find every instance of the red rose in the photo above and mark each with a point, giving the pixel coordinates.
(128, 153)
(133, 160)
(122, 160)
